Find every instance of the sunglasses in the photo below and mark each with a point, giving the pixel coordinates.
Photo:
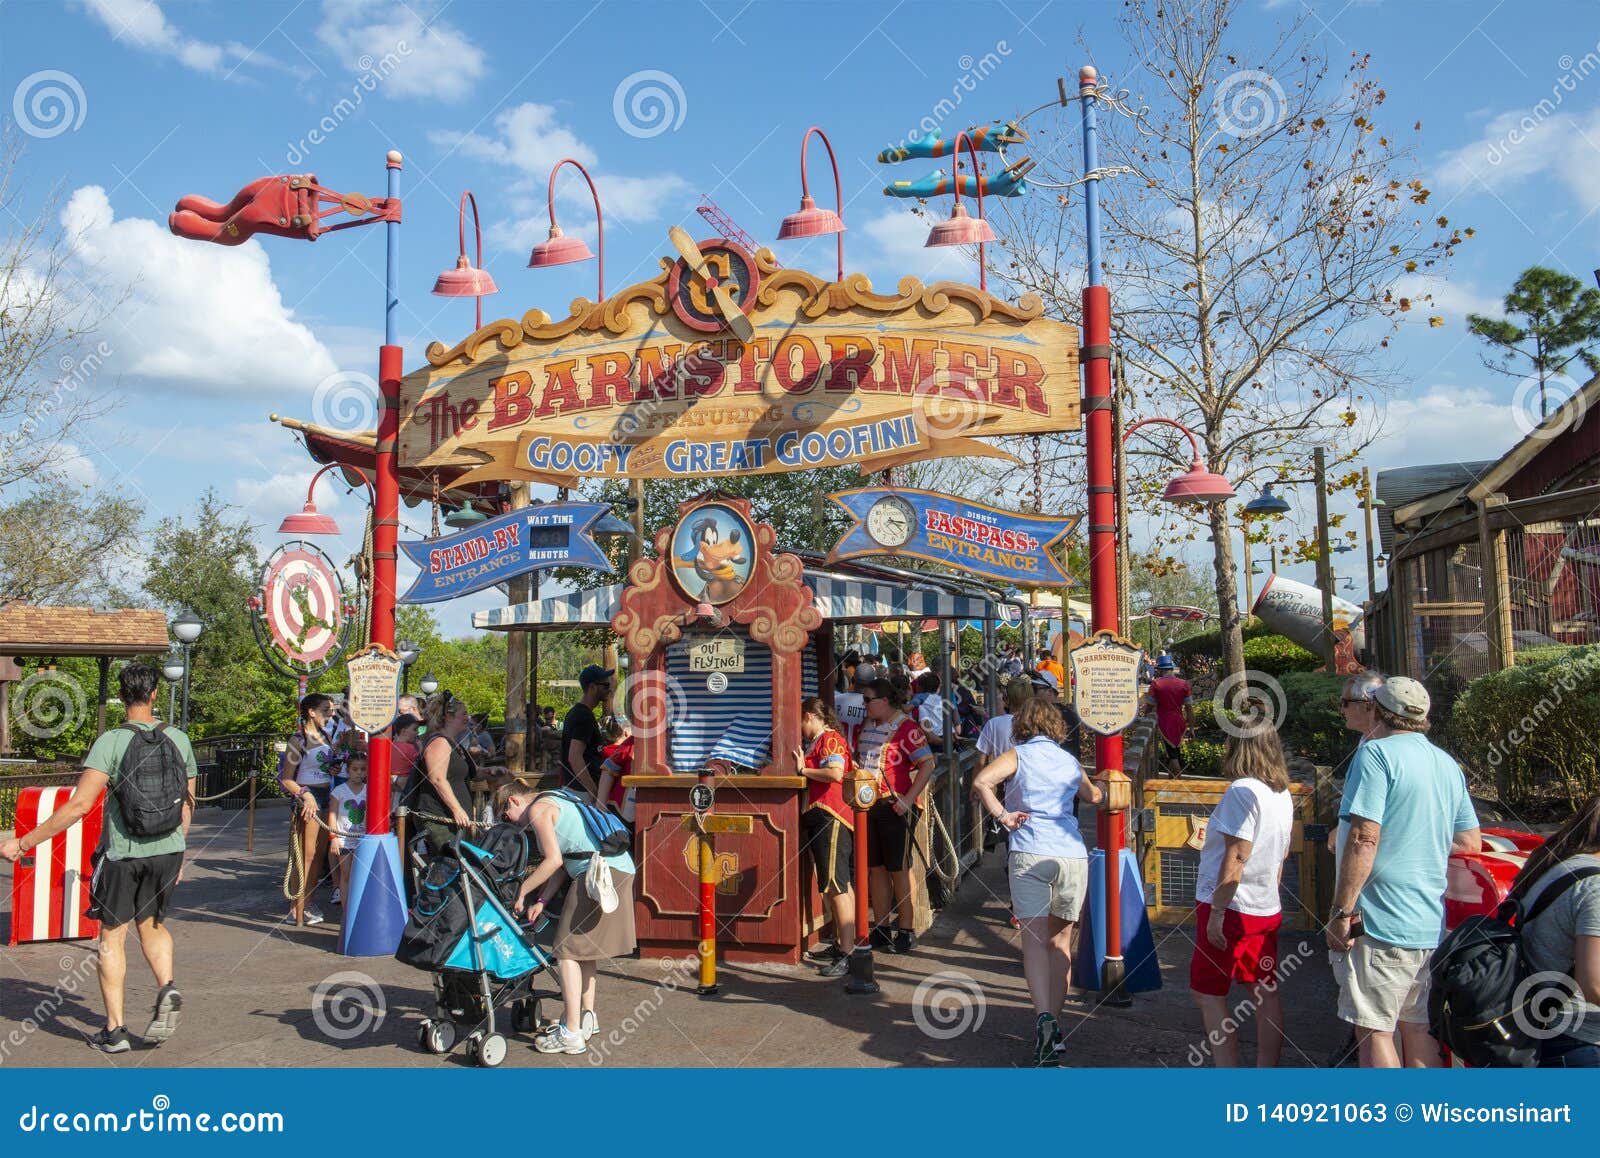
(1345, 703)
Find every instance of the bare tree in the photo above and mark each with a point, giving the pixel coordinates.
(50, 385)
(1253, 242)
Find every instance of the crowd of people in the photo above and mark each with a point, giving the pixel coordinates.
(1405, 810)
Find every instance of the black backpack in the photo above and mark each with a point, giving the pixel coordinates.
(1477, 1006)
(152, 783)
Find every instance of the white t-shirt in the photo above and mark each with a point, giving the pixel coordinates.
(349, 812)
(1250, 811)
(995, 738)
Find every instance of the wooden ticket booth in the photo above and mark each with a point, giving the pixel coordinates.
(724, 638)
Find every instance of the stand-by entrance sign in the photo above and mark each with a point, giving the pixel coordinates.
(1105, 682)
(501, 548)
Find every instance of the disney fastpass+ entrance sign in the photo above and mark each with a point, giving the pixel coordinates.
(653, 383)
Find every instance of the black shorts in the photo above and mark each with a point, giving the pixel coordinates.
(124, 892)
(1170, 750)
(831, 845)
(891, 836)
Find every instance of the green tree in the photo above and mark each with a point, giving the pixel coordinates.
(207, 562)
(1553, 321)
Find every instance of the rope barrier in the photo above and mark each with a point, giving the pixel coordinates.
(225, 792)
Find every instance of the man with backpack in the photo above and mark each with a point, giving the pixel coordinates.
(146, 771)
(1407, 808)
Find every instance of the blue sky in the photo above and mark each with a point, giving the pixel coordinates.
(202, 96)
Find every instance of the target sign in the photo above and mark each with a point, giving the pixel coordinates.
(302, 602)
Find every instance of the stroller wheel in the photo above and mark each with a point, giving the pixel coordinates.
(437, 1036)
(490, 1051)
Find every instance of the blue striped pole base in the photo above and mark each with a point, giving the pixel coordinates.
(375, 906)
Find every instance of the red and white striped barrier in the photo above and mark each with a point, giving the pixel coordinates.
(50, 888)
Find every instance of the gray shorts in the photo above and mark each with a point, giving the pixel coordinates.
(1381, 985)
(1047, 885)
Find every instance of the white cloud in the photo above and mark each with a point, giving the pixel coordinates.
(896, 243)
(1525, 144)
(199, 318)
(530, 139)
(143, 24)
(1445, 424)
(434, 59)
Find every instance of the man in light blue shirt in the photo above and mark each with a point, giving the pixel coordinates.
(1406, 804)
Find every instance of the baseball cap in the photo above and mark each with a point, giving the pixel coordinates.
(594, 674)
(1404, 697)
(865, 673)
(1046, 679)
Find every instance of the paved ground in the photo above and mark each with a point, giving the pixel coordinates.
(249, 982)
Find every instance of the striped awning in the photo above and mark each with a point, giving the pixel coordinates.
(841, 599)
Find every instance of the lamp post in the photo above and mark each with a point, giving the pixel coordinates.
(296, 207)
(1196, 485)
(173, 669)
(408, 651)
(186, 629)
(559, 249)
(466, 280)
(808, 220)
(960, 229)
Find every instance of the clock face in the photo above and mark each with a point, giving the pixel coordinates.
(890, 521)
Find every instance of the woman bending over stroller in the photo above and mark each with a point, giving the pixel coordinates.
(596, 922)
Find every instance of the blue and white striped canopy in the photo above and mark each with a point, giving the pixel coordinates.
(838, 598)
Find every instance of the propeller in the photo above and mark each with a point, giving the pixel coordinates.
(726, 306)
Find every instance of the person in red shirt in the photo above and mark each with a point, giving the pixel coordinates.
(1169, 693)
(896, 749)
(617, 762)
(828, 824)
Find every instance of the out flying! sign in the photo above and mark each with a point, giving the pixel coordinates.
(530, 539)
(1003, 545)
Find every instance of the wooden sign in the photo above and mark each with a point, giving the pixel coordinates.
(648, 384)
(374, 673)
(742, 825)
(1105, 682)
(724, 653)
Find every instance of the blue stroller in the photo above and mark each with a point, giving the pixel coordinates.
(462, 930)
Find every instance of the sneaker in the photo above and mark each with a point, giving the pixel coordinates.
(905, 941)
(337, 898)
(164, 1020)
(1046, 1037)
(588, 1024)
(826, 952)
(562, 1040)
(882, 938)
(314, 915)
(110, 1040)
(839, 967)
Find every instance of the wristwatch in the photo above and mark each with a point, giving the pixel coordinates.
(1339, 914)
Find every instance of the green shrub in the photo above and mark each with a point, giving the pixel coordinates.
(1202, 756)
(1533, 727)
(1277, 656)
(1204, 648)
(1313, 726)
(1532, 655)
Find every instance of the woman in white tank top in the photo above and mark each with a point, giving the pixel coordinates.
(1048, 865)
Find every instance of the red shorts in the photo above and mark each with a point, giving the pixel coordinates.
(1250, 958)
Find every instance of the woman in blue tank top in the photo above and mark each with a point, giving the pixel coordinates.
(1048, 865)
